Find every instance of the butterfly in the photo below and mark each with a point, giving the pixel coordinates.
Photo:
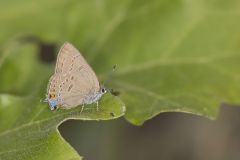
(74, 82)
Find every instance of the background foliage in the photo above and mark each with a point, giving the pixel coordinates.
(180, 56)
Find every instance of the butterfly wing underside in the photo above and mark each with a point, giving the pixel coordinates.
(74, 79)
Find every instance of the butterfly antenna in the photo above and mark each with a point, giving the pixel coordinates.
(110, 75)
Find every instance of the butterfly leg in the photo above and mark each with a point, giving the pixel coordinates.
(97, 106)
(82, 108)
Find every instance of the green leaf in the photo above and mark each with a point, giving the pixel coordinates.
(28, 129)
(172, 55)
(176, 56)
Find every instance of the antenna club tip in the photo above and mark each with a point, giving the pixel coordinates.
(115, 66)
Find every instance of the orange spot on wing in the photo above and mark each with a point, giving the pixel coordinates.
(52, 95)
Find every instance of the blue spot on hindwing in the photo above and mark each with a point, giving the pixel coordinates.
(53, 103)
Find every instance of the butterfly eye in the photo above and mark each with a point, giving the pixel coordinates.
(103, 90)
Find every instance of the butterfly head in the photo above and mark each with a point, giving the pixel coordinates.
(103, 90)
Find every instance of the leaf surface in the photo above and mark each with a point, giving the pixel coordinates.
(179, 56)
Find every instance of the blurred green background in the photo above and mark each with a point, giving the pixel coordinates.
(172, 56)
